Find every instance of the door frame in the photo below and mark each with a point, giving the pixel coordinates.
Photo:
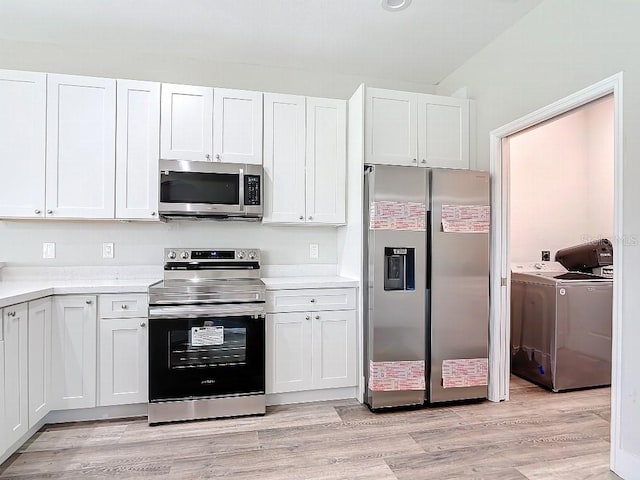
(499, 324)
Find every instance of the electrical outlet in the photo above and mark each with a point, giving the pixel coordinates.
(313, 250)
(107, 250)
(48, 250)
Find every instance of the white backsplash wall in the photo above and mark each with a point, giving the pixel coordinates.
(138, 243)
(562, 182)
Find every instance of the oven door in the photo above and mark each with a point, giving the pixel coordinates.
(204, 356)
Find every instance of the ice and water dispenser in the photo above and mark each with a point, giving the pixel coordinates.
(399, 268)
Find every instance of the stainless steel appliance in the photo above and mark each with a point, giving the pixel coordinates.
(426, 285)
(210, 189)
(560, 326)
(207, 336)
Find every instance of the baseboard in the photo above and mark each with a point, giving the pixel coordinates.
(97, 413)
(311, 396)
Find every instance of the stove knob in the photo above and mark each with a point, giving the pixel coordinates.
(171, 255)
(240, 255)
(252, 255)
(184, 255)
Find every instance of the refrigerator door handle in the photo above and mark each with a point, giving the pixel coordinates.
(428, 250)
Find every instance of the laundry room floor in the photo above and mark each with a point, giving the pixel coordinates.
(536, 435)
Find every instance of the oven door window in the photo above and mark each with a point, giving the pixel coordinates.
(209, 346)
(198, 187)
(205, 357)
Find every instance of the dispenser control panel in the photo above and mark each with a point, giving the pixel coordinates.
(399, 268)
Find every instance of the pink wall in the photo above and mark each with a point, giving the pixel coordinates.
(562, 182)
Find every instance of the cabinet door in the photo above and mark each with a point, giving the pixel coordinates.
(122, 369)
(443, 131)
(74, 352)
(81, 140)
(39, 359)
(15, 370)
(3, 431)
(284, 164)
(334, 349)
(137, 149)
(326, 161)
(288, 366)
(237, 126)
(186, 124)
(391, 127)
(23, 101)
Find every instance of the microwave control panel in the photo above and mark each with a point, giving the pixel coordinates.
(252, 190)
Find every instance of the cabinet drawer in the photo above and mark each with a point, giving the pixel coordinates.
(312, 299)
(123, 305)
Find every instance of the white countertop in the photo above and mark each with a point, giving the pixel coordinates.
(286, 283)
(17, 291)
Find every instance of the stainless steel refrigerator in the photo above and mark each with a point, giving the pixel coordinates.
(426, 294)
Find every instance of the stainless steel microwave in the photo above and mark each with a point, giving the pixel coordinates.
(210, 189)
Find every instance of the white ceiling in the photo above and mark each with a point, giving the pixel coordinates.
(423, 43)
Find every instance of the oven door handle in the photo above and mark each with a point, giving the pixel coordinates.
(199, 311)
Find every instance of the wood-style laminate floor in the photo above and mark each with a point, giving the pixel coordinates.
(536, 435)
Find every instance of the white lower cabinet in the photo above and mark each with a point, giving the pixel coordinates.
(312, 349)
(74, 352)
(123, 361)
(333, 348)
(39, 359)
(3, 436)
(16, 403)
(288, 352)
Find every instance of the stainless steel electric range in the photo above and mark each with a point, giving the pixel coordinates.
(207, 336)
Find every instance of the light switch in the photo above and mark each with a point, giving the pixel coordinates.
(48, 250)
(107, 250)
(313, 250)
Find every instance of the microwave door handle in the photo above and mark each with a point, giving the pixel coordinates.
(241, 189)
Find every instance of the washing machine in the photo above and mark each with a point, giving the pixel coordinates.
(560, 326)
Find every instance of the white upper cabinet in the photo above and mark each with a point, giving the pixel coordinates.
(284, 158)
(391, 127)
(326, 161)
(304, 160)
(237, 126)
(443, 131)
(186, 125)
(80, 165)
(404, 128)
(16, 412)
(207, 124)
(22, 143)
(137, 149)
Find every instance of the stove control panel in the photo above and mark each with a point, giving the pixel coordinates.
(193, 255)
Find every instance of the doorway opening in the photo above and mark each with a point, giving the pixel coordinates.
(501, 248)
(560, 221)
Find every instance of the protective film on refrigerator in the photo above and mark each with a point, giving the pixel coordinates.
(466, 218)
